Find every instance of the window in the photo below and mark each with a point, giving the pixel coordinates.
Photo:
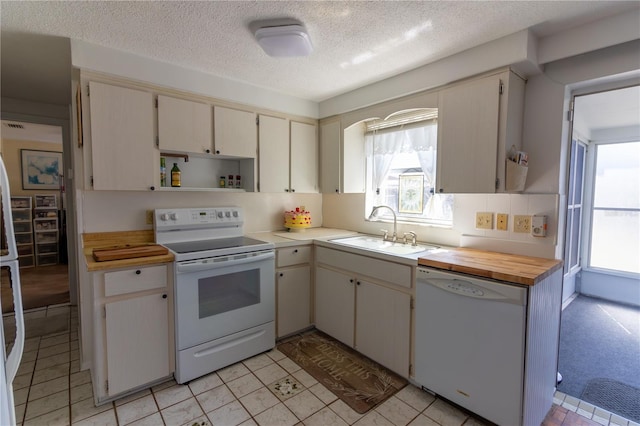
(401, 172)
(615, 230)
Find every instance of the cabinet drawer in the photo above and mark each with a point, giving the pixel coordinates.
(21, 226)
(381, 270)
(294, 255)
(133, 280)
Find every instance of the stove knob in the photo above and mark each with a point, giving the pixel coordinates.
(220, 215)
(227, 214)
(235, 213)
(164, 216)
(174, 216)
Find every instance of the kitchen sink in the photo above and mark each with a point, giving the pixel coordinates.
(378, 244)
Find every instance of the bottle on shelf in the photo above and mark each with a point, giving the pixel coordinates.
(163, 172)
(238, 181)
(175, 176)
(222, 182)
(230, 183)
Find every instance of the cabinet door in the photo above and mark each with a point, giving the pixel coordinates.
(335, 304)
(304, 158)
(330, 157)
(468, 137)
(137, 335)
(294, 299)
(273, 134)
(123, 153)
(383, 315)
(235, 132)
(184, 125)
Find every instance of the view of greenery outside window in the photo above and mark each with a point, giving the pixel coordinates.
(401, 174)
(615, 235)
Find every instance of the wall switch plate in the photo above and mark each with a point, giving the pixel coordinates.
(149, 217)
(522, 224)
(484, 220)
(502, 221)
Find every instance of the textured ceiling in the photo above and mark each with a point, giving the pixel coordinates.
(355, 42)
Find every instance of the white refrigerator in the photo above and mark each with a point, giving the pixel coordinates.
(9, 361)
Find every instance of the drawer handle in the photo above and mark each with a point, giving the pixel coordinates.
(281, 274)
(138, 272)
(164, 296)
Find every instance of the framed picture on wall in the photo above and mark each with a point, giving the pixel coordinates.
(41, 169)
(410, 191)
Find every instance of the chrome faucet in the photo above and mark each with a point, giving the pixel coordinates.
(394, 238)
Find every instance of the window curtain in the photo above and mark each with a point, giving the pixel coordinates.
(382, 146)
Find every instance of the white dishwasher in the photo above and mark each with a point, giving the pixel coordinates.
(470, 342)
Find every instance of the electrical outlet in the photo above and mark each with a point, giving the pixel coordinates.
(502, 221)
(149, 216)
(484, 220)
(522, 224)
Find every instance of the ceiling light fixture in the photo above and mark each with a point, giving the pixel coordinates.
(284, 40)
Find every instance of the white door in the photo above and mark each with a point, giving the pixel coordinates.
(294, 299)
(184, 125)
(122, 122)
(137, 332)
(335, 304)
(304, 158)
(273, 135)
(383, 315)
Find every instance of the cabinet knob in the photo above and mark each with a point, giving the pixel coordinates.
(351, 280)
(153, 188)
(217, 151)
(337, 191)
(295, 251)
(293, 190)
(164, 296)
(138, 272)
(208, 151)
(441, 190)
(281, 274)
(286, 190)
(358, 283)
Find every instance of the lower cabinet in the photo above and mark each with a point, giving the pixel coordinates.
(133, 336)
(372, 317)
(293, 284)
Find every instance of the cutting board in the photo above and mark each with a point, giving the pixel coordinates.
(128, 252)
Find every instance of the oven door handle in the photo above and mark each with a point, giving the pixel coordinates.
(224, 261)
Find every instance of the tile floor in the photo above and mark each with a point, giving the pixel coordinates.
(50, 389)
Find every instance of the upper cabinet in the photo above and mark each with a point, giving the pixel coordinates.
(235, 132)
(288, 155)
(304, 158)
(342, 160)
(122, 122)
(184, 125)
(274, 154)
(478, 122)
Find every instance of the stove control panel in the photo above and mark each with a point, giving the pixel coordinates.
(198, 217)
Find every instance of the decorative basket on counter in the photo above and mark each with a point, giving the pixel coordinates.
(297, 220)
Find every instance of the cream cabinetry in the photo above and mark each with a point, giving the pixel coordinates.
(356, 305)
(330, 137)
(133, 332)
(288, 155)
(123, 152)
(293, 284)
(342, 157)
(235, 132)
(478, 121)
(184, 125)
(274, 154)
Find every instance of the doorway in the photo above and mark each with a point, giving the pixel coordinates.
(33, 155)
(599, 355)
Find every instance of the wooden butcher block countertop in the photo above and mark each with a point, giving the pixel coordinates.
(511, 268)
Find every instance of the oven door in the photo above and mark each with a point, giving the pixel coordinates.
(220, 296)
